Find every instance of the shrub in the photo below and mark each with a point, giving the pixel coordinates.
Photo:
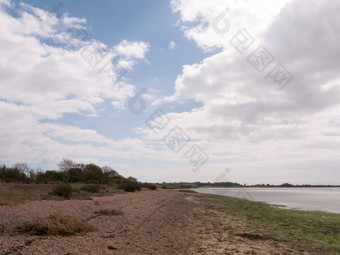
(75, 175)
(56, 175)
(149, 186)
(91, 188)
(41, 177)
(131, 179)
(130, 186)
(93, 173)
(54, 225)
(63, 190)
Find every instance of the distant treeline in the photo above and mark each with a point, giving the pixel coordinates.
(188, 185)
(191, 185)
(69, 171)
(292, 185)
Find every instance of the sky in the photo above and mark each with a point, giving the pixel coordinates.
(182, 90)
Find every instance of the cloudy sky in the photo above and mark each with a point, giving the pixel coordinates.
(180, 90)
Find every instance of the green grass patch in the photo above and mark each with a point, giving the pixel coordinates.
(317, 232)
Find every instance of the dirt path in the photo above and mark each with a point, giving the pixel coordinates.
(153, 222)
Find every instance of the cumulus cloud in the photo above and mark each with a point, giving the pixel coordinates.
(48, 70)
(201, 21)
(241, 107)
(230, 86)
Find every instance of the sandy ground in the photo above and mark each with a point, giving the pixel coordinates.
(153, 222)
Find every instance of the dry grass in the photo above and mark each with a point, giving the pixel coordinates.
(92, 188)
(13, 193)
(54, 225)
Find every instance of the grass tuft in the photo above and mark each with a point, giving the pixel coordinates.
(54, 225)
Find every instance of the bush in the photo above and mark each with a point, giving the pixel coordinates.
(54, 225)
(93, 173)
(41, 177)
(130, 186)
(91, 188)
(75, 175)
(63, 190)
(56, 175)
(50, 176)
(149, 186)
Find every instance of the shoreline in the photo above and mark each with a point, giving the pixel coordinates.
(305, 232)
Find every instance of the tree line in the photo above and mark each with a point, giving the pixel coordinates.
(69, 171)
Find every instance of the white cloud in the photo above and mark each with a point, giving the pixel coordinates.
(5, 3)
(172, 45)
(197, 19)
(132, 49)
(244, 121)
(45, 81)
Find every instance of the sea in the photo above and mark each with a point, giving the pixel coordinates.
(309, 199)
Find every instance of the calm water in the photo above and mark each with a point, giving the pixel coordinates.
(315, 199)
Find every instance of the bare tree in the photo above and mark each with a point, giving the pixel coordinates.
(23, 167)
(66, 164)
(110, 172)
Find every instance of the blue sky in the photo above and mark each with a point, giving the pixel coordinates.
(226, 111)
(150, 21)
